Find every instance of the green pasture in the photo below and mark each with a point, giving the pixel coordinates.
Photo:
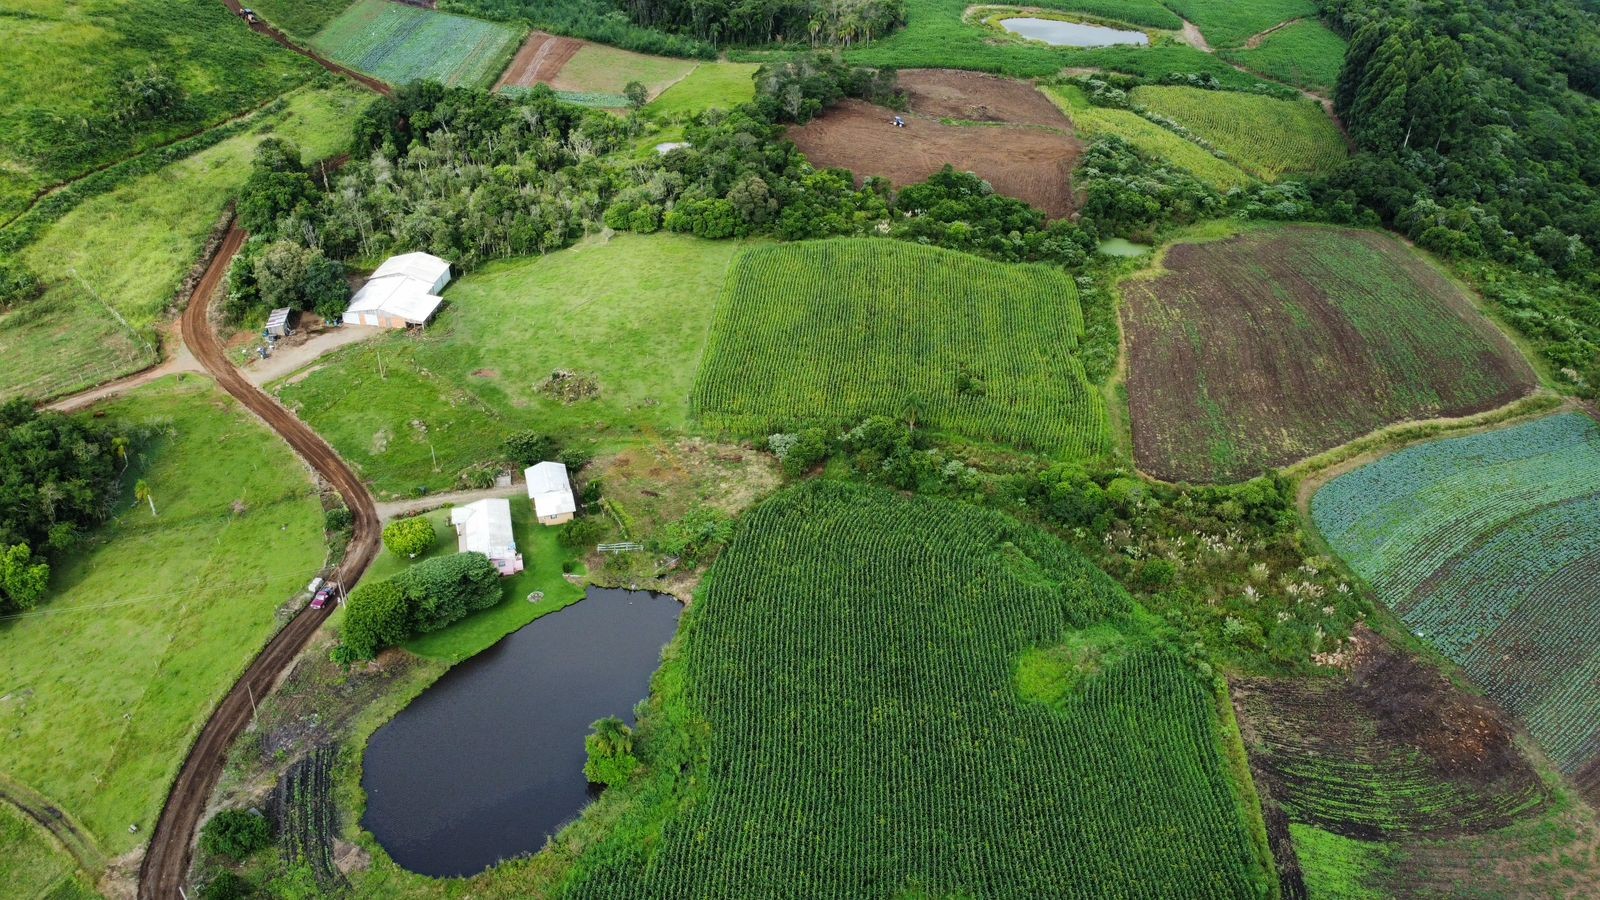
(712, 84)
(125, 253)
(67, 63)
(542, 557)
(1267, 137)
(632, 312)
(399, 43)
(32, 864)
(602, 69)
(1229, 23)
(1146, 136)
(834, 331)
(152, 619)
(1307, 54)
(299, 18)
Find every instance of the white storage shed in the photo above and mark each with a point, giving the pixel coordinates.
(551, 493)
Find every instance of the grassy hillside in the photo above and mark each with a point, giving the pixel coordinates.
(149, 623)
(1266, 137)
(1228, 23)
(1306, 53)
(299, 18)
(841, 329)
(723, 85)
(843, 716)
(70, 73)
(632, 313)
(128, 250)
(1147, 136)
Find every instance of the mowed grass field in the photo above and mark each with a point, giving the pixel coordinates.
(843, 717)
(1277, 343)
(399, 43)
(599, 69)
(723, 85)
(1488, 548)
(1266, 137)
(149, 623)
(129, 249)
(1147, 136)
(1229, 23)
(833, 331)
(1307, 54)
(66, 64)
(632, 313)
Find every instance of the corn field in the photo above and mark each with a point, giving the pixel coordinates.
(834, 331)
(854, 660)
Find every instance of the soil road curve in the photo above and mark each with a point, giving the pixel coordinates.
(167, 862)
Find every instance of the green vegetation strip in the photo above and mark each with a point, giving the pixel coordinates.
(1307, 54)
(832, 331)
(1229, 23)
(1265, 136)
(400, 44)
(842, 718)
(1148, 137)
(1488, 547)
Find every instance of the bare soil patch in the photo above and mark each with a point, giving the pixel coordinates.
(539, 60)
(1029, 163)
(976, 97)
(1277, 344)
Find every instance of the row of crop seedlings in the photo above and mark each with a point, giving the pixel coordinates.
(302, 805)
(854, 660)
(838, 330)
(1489, 547)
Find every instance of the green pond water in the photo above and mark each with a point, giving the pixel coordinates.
(1123, 247)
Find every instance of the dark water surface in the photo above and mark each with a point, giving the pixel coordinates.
(1072, 34)
(489, 760)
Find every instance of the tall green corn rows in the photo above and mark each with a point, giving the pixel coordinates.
(837, 330)
(1488, 546)
(854, 661)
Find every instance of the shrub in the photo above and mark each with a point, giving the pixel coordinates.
(375, 616)
(579, 534)
(17, 282)
(610, 748)
(338, 519)
(226, 885)
(409, 537)
(529, 447)
(235, 833)
(702, 531)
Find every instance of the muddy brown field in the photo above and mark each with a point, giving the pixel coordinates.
(1255, 351)
(1025, 148)
(538, 61)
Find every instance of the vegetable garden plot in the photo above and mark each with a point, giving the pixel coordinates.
(834, 331)
(1279, 343)
(851, 669)
(1488, 546)
(400, 43)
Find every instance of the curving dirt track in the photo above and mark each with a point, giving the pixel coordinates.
(261, 27)
(171, 846)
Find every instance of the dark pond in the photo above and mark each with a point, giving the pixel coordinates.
(1072, 34)
(489, 760)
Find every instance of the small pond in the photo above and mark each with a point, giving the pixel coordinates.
(488, 761)
(1122, 247)
(1072, 34)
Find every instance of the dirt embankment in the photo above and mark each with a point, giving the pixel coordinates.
(1023, 145)
(167, 862)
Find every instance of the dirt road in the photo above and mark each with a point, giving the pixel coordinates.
(171, 846)
(261, 27)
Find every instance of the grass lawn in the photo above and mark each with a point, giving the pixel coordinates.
(1229, 23)
(1266, 137)
(541, 555)
(148, 624)
(600, 69)
(631, 312)
(399, 43)
(1147, 137)
(131, 247)
(32, 864)
(719, 84)
(1306, 53)
(68, 60)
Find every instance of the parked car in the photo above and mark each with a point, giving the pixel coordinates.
(321, 599)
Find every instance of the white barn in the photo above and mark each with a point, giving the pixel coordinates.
(551, 493)
(485, 527)
(403, 291)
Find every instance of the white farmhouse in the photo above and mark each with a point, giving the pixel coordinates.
(485, 527)
(551, 493)
(404, 291)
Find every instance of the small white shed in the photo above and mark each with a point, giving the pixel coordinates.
(551, 493)
(485, 527)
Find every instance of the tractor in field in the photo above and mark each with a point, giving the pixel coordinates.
(249, 16)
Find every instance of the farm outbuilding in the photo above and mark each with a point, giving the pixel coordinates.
(551, 493)
(403, 291)
(278, 324)
(485, 527)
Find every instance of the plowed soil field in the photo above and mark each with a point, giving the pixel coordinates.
(1025, 146)
(538, 61)
(1277, 344)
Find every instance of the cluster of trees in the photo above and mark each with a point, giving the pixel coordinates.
(58, 477)
(426, 597)
(597, 20)
(765, 21)
(283, 263)
(409, 537)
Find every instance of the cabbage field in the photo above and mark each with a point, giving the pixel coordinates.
(400, 43)
(1488, 547)
(833, 331)
(845, 720)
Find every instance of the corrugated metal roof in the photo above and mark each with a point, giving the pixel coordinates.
(549, 489)
(396, 295)
(422, 266)
(485, 527)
